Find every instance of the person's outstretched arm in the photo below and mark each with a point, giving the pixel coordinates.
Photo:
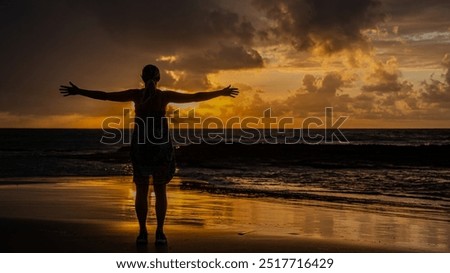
(176, 97)
(71, 90)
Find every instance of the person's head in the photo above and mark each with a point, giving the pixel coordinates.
(150, 72)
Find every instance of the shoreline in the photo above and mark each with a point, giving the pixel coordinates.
(96, 214)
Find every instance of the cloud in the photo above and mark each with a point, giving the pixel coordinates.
(104, 44)
(446, 64)
(184, 80)
(326, 26)
(315, 94)
(171, 25)
(328, 90)
(311, 98)
(416, 16)
(385, 77)
(188, 72)
(413, 27)
(225, 57)
(249, 103)
(437, 92)
(203, 35)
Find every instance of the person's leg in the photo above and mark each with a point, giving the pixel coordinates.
(161, 177)
(141, 206)
(161, 209)
(160, 206)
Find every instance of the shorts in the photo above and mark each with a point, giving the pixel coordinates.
(156, 160)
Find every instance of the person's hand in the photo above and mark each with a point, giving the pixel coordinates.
(230, 91)
(69, 90)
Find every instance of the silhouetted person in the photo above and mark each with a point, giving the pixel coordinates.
(152, 151)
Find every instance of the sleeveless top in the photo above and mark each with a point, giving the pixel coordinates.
(151, 127)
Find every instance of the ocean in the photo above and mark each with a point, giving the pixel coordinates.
(406, 170)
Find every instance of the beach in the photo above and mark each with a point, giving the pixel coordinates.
(96, 214)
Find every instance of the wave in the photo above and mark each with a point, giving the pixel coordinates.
(437, 207)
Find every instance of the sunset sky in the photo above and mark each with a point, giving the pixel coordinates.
(381, 63)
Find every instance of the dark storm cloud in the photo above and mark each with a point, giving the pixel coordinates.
(169, 25)
(203, 36)
(104, 44)
(195, 66)
(326, 24)
(212, 60)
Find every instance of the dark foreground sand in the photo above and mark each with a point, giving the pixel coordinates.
(26, 235)
(96, 215)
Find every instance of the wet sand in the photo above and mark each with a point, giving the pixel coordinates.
(44, 236)
(96, 214)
